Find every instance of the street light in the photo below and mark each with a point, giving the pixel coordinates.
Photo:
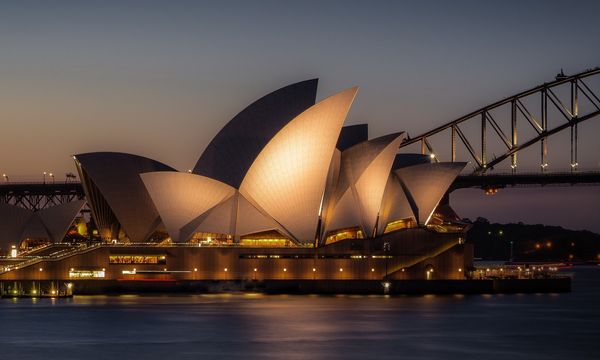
(5, 177)
(45, 177)
(52, 176)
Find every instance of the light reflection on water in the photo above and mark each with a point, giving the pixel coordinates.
(549, 326)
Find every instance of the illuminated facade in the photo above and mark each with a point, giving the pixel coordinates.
(283, 191)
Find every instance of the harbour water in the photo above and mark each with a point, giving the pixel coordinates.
(249, 326)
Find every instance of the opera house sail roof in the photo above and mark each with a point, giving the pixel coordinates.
(426, 184)
(282, 189)
(285, 168)
(364, 169)
(243, 138)
(287, 179)
(116, 194)
(18, 224)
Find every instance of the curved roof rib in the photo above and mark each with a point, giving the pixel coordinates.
(287, 179)
(365, 169)
(231, 153)
(183, 198)
(426, 184)
(117, 177)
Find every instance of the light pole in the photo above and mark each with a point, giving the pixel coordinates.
(5, 177)
(45, 177)
(52, 176)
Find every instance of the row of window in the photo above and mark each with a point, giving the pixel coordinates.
(137, 259)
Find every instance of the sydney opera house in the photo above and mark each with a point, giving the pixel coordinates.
(283, 191)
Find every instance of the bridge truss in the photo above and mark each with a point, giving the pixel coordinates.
(38, 196)
(520, 111)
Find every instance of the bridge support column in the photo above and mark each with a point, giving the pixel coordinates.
(574, 113)
(544, 140)
(513, 142)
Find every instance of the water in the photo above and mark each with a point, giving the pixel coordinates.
(542, 326)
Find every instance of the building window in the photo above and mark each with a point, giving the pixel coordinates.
(86, 274)
(137, 259)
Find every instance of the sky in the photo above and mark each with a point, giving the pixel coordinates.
(160, 78)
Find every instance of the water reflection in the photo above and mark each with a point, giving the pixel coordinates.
(549, 326)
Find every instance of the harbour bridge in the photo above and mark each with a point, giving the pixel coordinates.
(545, 110)
(532, 117)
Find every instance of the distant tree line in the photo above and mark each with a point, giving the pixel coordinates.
(532, 242)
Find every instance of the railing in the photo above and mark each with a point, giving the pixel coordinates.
(48, 182)
(52, 257)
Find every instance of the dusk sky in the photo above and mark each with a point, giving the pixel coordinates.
(160, 78)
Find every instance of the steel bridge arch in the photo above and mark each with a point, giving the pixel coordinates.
(547, 96)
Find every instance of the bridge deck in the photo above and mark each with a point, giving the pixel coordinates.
(526, 179)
